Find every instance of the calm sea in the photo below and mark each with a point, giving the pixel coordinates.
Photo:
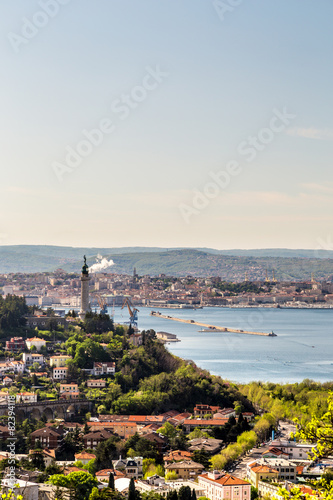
(302, 349)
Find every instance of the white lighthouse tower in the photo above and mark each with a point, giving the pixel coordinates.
(85, 278)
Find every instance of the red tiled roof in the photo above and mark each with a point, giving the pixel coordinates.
(275, 451)
(68, 470)
(307, 490)
(177, 455)
(84, 455)
(208, 421)
(226, 480)
(262, 468)
(111, 424)
(106, 472)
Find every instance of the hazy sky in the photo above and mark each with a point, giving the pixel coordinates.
(215, 123)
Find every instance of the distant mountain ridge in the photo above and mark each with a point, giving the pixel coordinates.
(229, 264)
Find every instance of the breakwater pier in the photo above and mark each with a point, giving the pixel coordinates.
(211, 328)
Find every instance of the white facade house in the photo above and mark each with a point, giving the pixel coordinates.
(102, 368)
(16, 366)
(11, 366)
(60, 373)
(296, 451)
(37, 342)
(26, 397)
(29, 359)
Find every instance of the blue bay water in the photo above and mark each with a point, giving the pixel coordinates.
(302, 349)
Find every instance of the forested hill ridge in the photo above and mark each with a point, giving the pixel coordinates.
(231, 265)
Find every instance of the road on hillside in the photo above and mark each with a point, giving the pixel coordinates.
(238, 468)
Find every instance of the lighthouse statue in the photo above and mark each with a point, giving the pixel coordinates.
(85, 278)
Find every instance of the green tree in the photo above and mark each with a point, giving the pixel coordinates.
(53, 469)
(202, 457)
(320, 431)
(37, 460)
(254, 493)
(171, 476)
(105, 494)
(80, 484)
(105, 452)
(168, 430)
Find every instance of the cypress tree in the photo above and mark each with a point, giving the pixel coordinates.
(184, 493)
(131, 490)
(172, 495)
(111, 481)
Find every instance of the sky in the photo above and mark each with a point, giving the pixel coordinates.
(195, 123)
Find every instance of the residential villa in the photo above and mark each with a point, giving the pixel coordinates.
(186, 469)
(220, 486)
(35, 342)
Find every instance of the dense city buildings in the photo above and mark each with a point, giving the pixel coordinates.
(61, 290)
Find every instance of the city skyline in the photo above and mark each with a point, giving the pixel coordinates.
(170, 124)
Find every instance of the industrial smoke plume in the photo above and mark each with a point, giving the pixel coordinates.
(101, 263)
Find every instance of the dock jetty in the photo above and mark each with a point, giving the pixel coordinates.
(211, 328)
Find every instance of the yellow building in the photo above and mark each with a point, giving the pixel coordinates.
(58, 361)
(260, 472)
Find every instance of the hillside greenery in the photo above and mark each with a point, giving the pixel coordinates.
(230, 265)
(289, 401)
(12, 311)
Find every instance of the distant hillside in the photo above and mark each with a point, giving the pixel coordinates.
(177, 262)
